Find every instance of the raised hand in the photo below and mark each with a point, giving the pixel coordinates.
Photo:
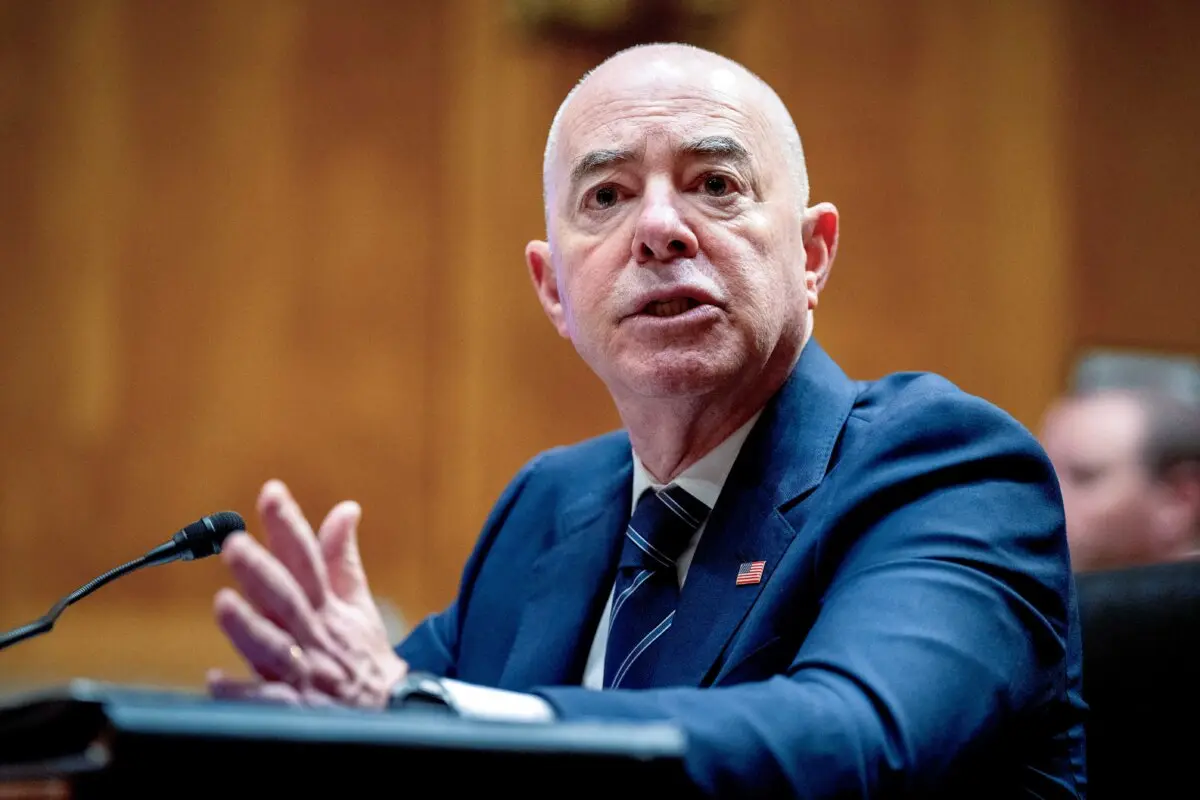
(305, 620)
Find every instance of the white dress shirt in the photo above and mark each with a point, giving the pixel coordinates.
(704, 480)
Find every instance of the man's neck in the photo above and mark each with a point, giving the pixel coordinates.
(668, 443)
(669, 435)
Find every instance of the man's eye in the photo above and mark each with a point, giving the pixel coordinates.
(1084, 476)
(717, 185)
(605, 197)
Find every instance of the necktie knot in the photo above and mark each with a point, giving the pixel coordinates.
(662, 524)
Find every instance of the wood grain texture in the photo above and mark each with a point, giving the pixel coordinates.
(284, 239)
(1135, 165)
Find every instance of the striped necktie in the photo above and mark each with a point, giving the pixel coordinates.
(647, 586)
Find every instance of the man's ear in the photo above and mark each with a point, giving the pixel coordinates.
(820, 228)
(545, 283)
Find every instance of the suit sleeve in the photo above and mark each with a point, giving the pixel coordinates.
(945, 616)
(432, 646)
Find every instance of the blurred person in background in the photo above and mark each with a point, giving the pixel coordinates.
(1128, 461)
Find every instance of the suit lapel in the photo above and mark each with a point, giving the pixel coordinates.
(569, 584)
(784, 458)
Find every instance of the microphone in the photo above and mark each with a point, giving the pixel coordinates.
(202, 538)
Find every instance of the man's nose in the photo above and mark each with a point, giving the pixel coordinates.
(662, 234)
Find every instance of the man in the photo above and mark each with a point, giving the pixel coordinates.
(1129, 465)
(876, 595)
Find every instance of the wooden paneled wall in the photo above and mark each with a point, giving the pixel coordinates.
(1134, 155)
(284, 239)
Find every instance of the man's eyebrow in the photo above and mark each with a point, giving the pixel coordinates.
(599, 160)
(718, 148)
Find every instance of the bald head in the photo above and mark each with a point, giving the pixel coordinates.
(670, 68)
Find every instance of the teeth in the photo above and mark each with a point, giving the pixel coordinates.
(668, 308)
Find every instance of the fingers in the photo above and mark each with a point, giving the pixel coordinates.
(266, 648)
(224, 687)
(270, 588)
(272, 653)
(338, 540)
(292, 541)
(291, 594)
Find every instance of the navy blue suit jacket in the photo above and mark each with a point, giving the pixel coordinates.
(914, 635)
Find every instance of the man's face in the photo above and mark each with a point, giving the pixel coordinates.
(1095, 445)
(677, 241)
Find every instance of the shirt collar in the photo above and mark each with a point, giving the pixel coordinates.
(704, 479)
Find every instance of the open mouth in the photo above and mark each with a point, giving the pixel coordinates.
(670, 308)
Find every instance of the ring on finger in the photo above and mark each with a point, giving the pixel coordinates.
(300, 671)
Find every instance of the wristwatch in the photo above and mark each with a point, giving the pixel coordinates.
(422, 690)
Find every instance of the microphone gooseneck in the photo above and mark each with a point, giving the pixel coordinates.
(200, 539)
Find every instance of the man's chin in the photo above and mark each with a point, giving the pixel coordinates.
(681, 378)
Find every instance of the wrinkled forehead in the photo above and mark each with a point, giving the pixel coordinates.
(665, 105)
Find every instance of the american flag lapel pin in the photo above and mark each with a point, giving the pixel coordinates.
(750, 573)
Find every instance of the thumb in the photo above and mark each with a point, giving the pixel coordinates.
(338, 537)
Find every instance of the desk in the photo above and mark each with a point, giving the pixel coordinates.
(88, 739)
